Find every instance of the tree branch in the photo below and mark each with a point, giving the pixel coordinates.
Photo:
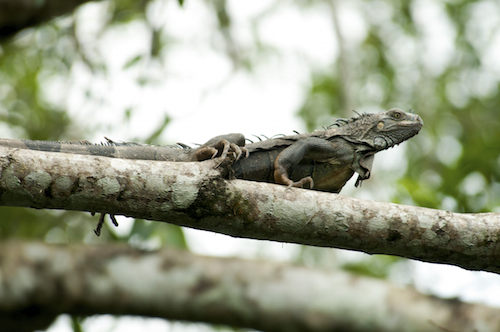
(196, 195)
(116, 279)
(16, 15)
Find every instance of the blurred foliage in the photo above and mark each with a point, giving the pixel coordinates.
(76, 323)
(35, 72)
(125, 11)
(453, 164)
(375, 268)
(45, 54)
(148, 235)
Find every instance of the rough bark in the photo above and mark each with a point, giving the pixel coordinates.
(16, 15)
(196, 195)
(117, 279)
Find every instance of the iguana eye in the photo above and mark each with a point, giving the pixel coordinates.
(397, 115)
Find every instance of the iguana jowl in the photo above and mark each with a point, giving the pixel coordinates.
(324, 159)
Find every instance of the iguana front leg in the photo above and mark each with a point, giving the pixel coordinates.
(312, 147)
(221, 146)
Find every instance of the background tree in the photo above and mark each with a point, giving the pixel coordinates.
(59, 81)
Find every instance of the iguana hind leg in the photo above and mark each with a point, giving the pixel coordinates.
(312, 147)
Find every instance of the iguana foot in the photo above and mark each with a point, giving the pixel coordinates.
(238, 151)
(281, 176)
(301, 183)
(221, 149)
(97, 230)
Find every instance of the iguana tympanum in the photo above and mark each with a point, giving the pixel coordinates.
(324, 159)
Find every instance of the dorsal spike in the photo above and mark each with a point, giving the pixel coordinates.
(183, 146)
(258, 137)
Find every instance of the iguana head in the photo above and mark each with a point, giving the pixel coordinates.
(393, 127)
(381, 130)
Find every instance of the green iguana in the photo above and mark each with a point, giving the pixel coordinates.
(324, 159)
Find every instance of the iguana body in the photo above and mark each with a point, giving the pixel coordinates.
(326, 158)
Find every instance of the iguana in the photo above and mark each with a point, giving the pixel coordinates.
(324, 159)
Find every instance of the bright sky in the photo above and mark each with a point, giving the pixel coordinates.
(205, 97)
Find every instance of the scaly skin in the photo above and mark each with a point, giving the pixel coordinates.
(328, 158)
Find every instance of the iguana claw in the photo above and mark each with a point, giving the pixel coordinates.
(100, 223)
(238, 151)
(301, 183)
(221, 149)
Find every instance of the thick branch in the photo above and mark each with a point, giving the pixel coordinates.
(268, 296)
(195, 195)
(16, 15)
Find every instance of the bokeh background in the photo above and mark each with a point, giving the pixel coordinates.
(167, 71)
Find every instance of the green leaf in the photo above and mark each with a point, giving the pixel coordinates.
(132, 62)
